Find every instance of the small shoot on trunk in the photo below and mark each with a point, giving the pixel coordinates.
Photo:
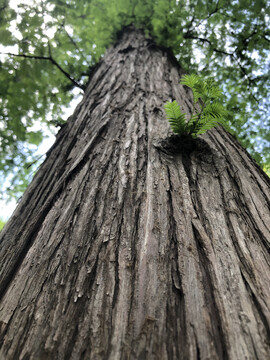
(207, 111)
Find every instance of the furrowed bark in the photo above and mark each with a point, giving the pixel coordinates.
(131, 243)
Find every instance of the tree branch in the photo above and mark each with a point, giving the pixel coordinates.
(74, 44)
(247, 78)
(190, 36)
(214, 11)
(51, 59)
(232, 55)
(210, 14)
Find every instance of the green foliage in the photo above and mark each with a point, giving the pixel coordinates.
(207, 111)
(2, 224)
(176, 118)
(267, 169)
(226, 40)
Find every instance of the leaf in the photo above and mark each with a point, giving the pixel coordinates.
(192, 123)
(6, 37)
(215, 110)
(2, 224)
(195, 83)
(212, 112)
(35, 138)
(190, 80)
(176, 118)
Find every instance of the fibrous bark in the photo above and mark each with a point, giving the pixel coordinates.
(131, 243)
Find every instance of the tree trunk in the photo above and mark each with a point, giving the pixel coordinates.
(131, 243)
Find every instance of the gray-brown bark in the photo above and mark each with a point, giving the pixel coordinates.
(132, 244)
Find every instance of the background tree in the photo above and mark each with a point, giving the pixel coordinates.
(52, 47)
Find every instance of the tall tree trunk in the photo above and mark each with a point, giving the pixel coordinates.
(131, 243)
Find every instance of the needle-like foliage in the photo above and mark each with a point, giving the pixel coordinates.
(176, 118)
(207, 111)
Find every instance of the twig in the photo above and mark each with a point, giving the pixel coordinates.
(74, 43)
(51, 59)
(191, 36)
(210, 14)
(232, 55)
(35, 161)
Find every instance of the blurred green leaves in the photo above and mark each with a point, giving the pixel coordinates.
(2, 224)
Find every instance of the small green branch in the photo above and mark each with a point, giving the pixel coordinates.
(212, 112)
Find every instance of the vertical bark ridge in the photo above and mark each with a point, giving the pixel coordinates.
(140, 246)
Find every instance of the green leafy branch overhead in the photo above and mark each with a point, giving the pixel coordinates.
(207, 111)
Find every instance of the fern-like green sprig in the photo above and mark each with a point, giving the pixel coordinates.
(211, 113)
(176, 118)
